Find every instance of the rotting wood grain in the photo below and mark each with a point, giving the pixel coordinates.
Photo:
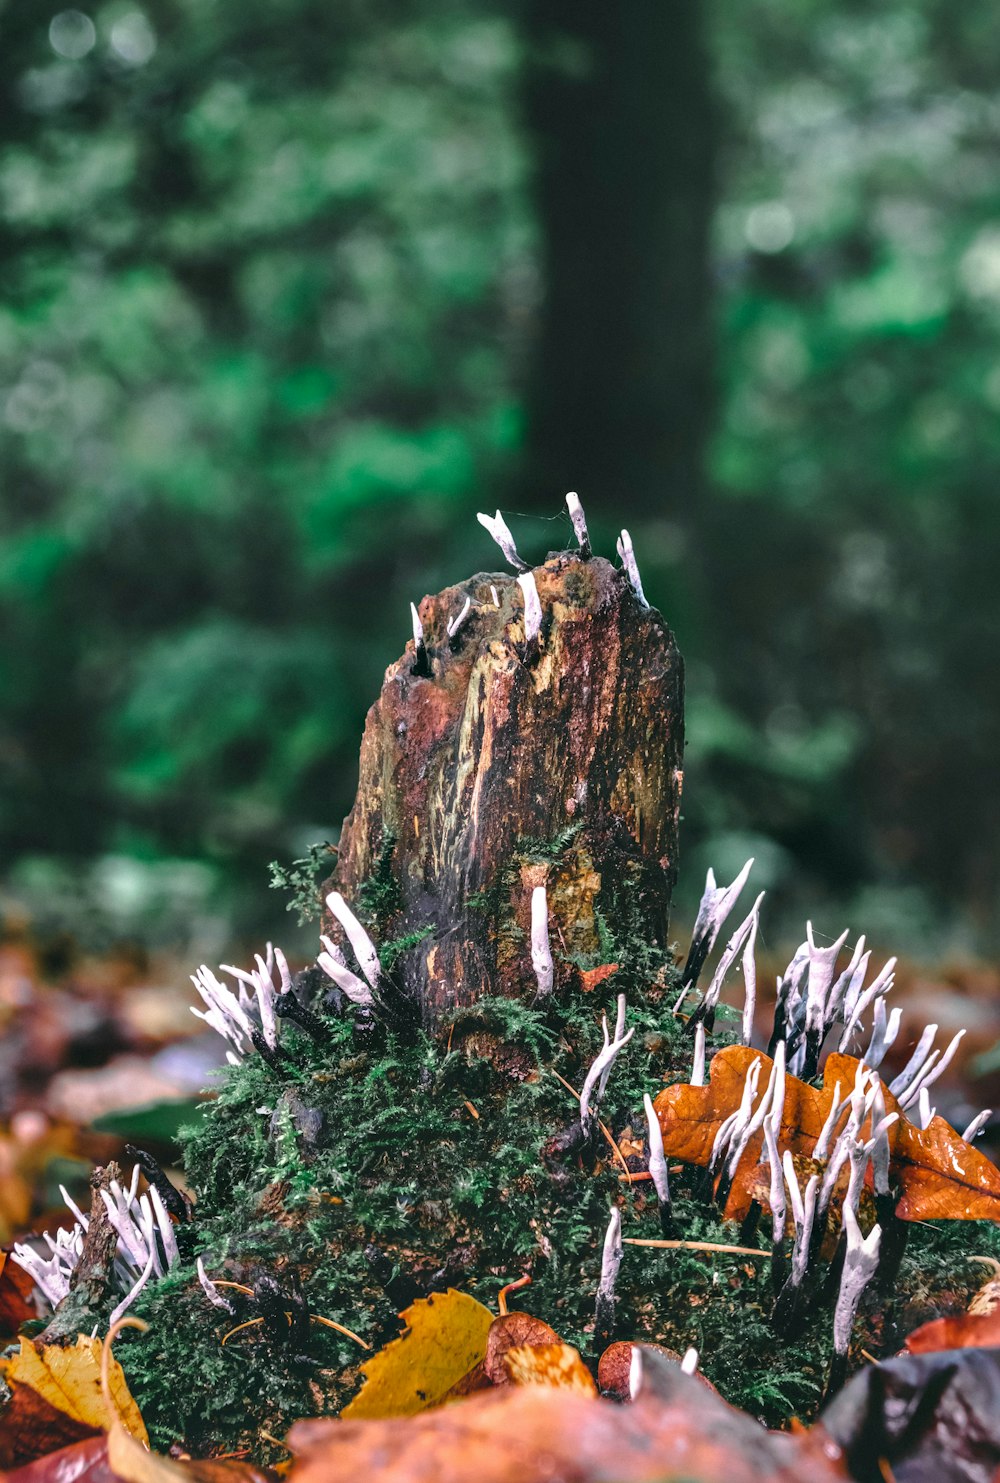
(476, 770)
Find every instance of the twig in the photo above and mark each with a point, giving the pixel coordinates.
(697, 1246)
(327, 1323)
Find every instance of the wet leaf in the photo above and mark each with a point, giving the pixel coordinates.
(84, 1462)
(445, 1337)
(958, 1331)
(614, 1369)
(978, 1328)
(536, 1434)
(938, 1174)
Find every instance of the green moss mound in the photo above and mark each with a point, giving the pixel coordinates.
(376, 1165)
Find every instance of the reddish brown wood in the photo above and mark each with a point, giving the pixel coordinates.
(475, 774)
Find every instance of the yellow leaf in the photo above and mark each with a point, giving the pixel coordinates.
(445, 1336)
(70, 1380)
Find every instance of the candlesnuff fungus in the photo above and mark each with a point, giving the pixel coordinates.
(579, 524)
(419, 1124)
(698, 1060)
(977, 1124)
(611, 1260)
(422, 663)
(713, 911)
(454, 624)
(860, 1265)
(334, 965)
(597, 1077)
(541, 952)
(146, 1246)
(500, 531)
(628, 560)
(361, 944)
(884, 1032)
(658, 1171)
(210, 1290)
(532, 607)
(790, 1300)
(923, 1068)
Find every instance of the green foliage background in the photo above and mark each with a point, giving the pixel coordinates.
(273, 278)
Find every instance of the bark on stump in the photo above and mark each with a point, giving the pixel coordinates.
(511, 765)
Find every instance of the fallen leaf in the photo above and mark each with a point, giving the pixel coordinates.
(84, 1462)
(977, 1328)
(591, 977)
(445, 1337)
(614, 1369)
(512, 1331)
(88, 1462)
(16, 1288)
(921, 1418)
(31, 1427)
(130, 1462)
(558, 1366)
(957, 1331)
(68, 1379)
(938, 1174)
(542, 1435)
(987, 1299)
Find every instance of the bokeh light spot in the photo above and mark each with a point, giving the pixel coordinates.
(72, 34)
(769, 226)
(133, 38)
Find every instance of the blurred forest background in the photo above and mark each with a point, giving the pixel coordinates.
(290, 289)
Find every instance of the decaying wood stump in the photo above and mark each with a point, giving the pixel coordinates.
(491, 765)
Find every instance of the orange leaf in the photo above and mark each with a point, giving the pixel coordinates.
(591, 977)
(962, 1331)
(558, 1366)
(939, 1175)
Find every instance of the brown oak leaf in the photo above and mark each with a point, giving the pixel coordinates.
(938, 1174)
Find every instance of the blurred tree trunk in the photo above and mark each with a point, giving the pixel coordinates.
(619, 107)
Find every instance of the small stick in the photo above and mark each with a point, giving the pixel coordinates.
(327, 1323)
(696, 1246)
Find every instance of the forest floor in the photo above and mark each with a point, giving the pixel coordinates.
(97, 1053)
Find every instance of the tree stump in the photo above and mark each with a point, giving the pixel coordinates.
(491, 765)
